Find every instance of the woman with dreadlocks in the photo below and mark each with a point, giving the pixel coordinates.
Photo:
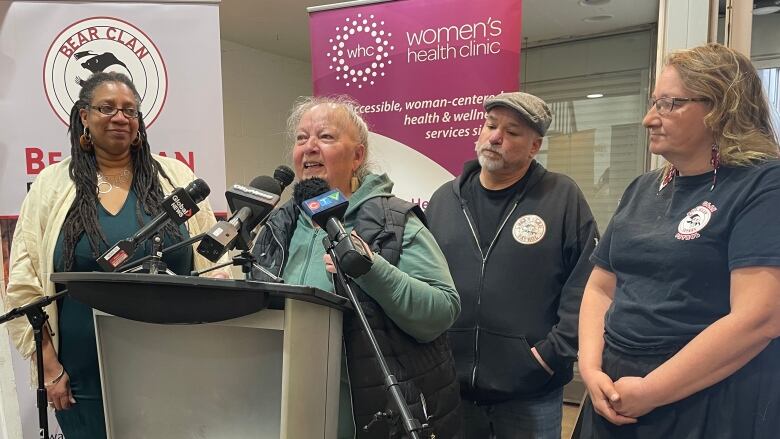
(105, 191)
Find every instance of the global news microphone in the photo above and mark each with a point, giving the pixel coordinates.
(108, 188)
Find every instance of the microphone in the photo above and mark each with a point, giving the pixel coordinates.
(251, 206)
(326, 208)
(284, 175)
(317, 200)
(178, 207)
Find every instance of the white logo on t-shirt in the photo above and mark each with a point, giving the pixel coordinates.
(695, 220)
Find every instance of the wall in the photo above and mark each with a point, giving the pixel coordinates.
(258, 89)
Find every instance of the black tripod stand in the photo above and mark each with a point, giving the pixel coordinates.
(410, 424)
(37, 317)
(247, 262)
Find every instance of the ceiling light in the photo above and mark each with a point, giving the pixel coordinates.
(765, 10)
(595, 95)
(593, 2)
(766, 7)
(597, 18)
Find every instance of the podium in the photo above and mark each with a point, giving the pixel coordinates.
(184, 357)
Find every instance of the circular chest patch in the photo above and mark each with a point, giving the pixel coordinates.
(529, 229)
(695, 220)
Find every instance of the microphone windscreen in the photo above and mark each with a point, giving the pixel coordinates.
(198, 190)
(266, 183)
(309, 188)
(284, 175)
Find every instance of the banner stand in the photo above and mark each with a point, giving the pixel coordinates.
(47, 50)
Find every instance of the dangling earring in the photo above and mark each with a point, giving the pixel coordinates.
(86, 140)
(354, 184)
(137, 142)
(715, 162)
(668, 177)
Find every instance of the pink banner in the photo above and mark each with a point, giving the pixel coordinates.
(421, 69)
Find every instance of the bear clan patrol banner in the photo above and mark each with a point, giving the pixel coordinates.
(47, 49)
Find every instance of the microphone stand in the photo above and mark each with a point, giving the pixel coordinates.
(37, 317)
(153, 264)
(130, 265)
(247, 261)
(410, 424)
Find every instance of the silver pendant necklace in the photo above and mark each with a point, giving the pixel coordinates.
(106, 183)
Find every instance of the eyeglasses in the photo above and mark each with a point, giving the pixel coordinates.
(665, 105)
(108, 110)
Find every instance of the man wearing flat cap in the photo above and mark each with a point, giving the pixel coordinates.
(517, 239)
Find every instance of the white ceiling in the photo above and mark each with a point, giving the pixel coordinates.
(282, 27)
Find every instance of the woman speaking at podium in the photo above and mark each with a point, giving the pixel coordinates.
(408, 293)
(104, 192)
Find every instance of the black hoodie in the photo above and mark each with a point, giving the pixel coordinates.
(524, 290)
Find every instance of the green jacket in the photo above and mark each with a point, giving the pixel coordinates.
(417, 294)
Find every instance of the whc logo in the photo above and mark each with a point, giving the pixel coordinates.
(359, 51)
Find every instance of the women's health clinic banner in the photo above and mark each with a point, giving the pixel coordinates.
(170, 51)
(421, 70)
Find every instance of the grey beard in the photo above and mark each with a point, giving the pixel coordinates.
(489, 163)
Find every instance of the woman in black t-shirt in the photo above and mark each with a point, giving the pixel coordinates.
(680, 317)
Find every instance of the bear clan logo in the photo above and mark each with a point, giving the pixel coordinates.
(695, 221)
(104, 44)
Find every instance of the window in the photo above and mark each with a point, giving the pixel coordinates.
(598, 141)
(771, 80)
(765, 54)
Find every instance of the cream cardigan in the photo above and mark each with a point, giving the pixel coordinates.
(38, 228)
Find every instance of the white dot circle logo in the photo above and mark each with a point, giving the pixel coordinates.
(359, 51)
(104, 44)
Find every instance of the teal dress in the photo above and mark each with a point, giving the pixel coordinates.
(78, 348)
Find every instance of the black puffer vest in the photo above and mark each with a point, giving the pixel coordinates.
(425, 371)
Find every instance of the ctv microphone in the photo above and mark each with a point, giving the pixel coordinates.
(326, 208)
(179, 206)
(250, 206)
(317, 200)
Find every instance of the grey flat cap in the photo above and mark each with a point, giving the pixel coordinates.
(534, 110)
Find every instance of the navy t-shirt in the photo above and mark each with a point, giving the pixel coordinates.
(672, 251)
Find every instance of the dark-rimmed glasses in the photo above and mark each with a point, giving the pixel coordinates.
(666, 105)
(108, 110)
